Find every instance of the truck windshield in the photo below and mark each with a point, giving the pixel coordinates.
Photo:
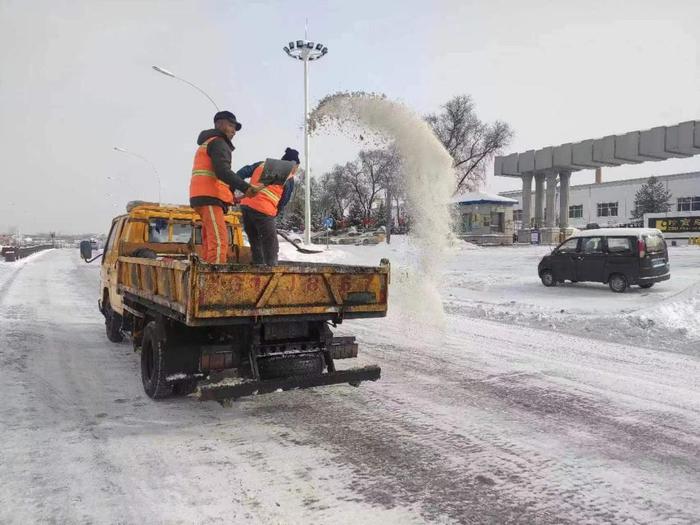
(655, 243)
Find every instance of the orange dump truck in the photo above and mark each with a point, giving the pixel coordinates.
(228, 330)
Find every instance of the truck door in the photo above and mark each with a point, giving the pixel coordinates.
(108, 272)
(590, 263)
(563, 261)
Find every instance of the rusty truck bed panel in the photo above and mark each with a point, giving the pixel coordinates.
(204, 294)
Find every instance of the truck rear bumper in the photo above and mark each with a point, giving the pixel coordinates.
(242, 387)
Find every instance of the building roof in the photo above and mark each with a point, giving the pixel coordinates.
(480, 197)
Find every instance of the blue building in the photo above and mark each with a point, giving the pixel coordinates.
(484, 218)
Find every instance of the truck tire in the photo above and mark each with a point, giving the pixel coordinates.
(153, 369)
(113, 324)
(286, 366)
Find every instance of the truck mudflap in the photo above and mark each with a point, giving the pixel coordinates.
(234, 388)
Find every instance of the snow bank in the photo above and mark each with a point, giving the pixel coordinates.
(428, 177)
(680, 313)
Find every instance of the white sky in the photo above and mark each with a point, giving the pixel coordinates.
(76, 80)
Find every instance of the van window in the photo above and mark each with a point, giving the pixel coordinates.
(592, 245)
(655, 243)
(620, 245)
(568, 247)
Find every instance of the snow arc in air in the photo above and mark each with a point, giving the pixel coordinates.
(427, 176)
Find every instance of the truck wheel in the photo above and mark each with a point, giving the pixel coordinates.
(302, 365)
(113, 324)
(646, 285)
(548, 278)
(618, 283)
(153, 355)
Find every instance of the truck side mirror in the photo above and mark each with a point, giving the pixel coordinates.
(86, 250)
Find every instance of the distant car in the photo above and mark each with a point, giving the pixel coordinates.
(369, 238)
(620, 257)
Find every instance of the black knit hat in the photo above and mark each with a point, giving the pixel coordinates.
(291, 154)
(227, 115)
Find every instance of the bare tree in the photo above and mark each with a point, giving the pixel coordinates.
(470, 142)
(370, 174)
(336, 191)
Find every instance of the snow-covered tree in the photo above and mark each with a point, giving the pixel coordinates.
(651, 197)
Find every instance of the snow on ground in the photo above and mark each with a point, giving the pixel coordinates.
(8, 269)
(508, 410)
(501, 284)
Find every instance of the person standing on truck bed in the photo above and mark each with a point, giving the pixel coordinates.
(213, 182)
(261, 209)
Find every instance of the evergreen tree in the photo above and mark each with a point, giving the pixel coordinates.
(652, 197)
(379, 214)
(356, 214)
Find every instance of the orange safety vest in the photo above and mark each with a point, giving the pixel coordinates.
(267, 199)
(204, 182)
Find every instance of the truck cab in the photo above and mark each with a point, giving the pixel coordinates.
(154, 230)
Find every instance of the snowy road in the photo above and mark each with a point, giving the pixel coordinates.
(486, 422)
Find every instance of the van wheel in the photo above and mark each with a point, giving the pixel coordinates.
(618, 283)
(153, 355)
(647, 285)
(548, 278)
(113, 324)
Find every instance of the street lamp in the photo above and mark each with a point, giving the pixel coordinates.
(306, 51)
(122, 150)
(173, 75)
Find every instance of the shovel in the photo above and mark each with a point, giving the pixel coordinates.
(299, 248)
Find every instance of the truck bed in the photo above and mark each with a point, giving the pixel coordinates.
(200, 294)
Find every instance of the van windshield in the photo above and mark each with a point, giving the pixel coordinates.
(655, 243)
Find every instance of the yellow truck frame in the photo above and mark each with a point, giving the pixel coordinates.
(229, 330)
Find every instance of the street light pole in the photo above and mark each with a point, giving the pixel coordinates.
(173, 75)
(122, 150)
(306, 51)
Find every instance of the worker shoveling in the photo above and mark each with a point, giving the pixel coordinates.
(428, 178)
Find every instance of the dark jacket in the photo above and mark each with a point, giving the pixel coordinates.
(246, 172)
(220, 153)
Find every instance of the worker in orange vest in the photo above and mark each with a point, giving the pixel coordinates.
(261, 209)
(213, 182)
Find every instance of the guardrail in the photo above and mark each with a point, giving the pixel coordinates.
(12, 253)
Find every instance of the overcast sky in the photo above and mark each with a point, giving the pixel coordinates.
(76, 80)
